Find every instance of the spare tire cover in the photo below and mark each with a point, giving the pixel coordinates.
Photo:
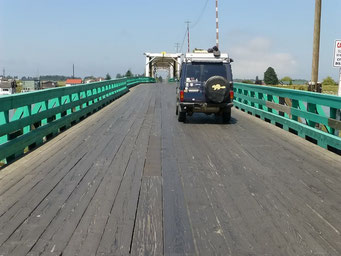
(217, 89)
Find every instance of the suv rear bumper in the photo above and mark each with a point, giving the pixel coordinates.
(204, 107)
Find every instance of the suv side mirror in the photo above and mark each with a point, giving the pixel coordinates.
(231, 60)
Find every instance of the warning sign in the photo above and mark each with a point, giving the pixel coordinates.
(337, 54)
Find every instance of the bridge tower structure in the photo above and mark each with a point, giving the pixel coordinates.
(166, 61)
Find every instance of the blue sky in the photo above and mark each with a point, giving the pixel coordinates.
(110, 36)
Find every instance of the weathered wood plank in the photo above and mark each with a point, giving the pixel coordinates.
(250, 186)
(153, 159)
(117, 236)
(46, 157)
(148, 232)
(178, 237)
(47, 214)
(84, 238)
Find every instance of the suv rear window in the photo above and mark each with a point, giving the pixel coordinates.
(203, 71)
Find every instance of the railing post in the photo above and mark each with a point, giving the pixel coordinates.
(4, 119)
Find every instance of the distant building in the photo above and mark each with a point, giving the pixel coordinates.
(90, 80)
(299, 82)
(48, 84)
(29, 86)
(7, 87)
(70, 82)
(295, 82)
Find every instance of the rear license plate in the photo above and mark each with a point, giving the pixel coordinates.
(193, 90)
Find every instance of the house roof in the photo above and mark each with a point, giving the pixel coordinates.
(5, 84)
(74, 81)
(8, 84)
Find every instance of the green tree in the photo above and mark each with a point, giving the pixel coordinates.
(270, 76)
(129, 73)
(107, 77)
(328, 81)
(287, 79)
(118, 75)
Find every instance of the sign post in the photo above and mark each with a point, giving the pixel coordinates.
(337, 64)
(337, 61)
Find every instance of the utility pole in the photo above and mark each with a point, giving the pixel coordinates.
(188, 49)
(217, 23)
(177, 45)
(73, 70)
(316, 46)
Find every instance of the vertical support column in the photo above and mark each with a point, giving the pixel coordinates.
(316, 46)
(152, 71)
(178, 68)
(147, 67)
(171, 71)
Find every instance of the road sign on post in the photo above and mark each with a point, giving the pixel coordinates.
(337, 61)
(337, 64)
(337, 54)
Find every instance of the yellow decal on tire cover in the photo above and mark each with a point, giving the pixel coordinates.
(218, 87)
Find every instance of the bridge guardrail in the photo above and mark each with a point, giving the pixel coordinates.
(29, 119)
(309, 115)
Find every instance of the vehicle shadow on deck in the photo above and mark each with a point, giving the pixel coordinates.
(199, 118)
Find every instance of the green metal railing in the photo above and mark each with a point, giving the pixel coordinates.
(29, 119)
(312, 116)
(172, 80)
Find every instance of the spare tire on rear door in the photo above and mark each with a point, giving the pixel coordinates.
(217, 89)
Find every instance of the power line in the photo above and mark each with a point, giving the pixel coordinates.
(195, 24)
(177, 47)
(201, 14)
(183, 41)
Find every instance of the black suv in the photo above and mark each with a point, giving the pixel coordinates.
(205, 86)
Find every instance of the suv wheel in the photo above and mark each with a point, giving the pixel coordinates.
(182, 116)
(226, 116)
(177, 110)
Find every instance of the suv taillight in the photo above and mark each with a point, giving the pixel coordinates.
(231, 95)
(181, 95)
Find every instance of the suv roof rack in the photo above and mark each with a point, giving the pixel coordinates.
(206, 57)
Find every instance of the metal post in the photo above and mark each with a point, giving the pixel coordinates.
(339, 91)
(316, 47)
(217, 23)
(338, 111)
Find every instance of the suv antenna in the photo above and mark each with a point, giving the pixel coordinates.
(217, 23)
(188, 49)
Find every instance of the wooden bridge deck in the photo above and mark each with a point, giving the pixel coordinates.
(132, 180)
